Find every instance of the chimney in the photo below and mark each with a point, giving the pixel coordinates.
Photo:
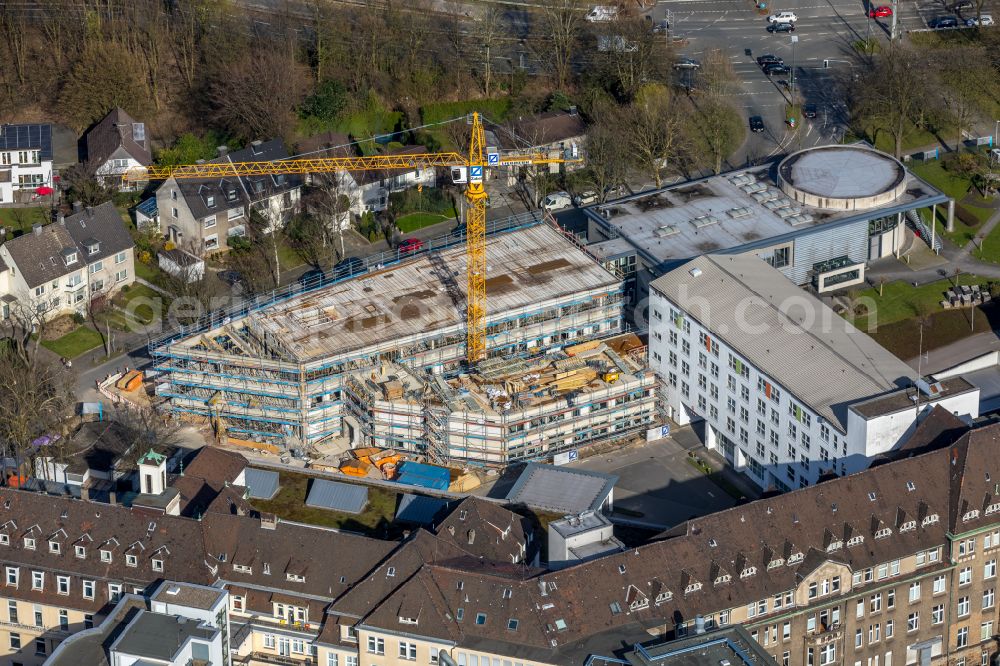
(572, 110)
(268, 521)
(222, 150)
(77, 206)
(37, 228)
(699, 624)
(472, 536)
(112, 497)
(84, 493)
(542, 589)
(61, 219)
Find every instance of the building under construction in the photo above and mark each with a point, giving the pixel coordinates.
(378, 359)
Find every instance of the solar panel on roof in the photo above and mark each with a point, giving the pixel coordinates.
(261, 483)
(336, 496)
(419, 509)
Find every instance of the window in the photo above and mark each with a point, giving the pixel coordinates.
(376, 645)
(29, 543)
(88, 589)
(858, 638)
(114, 592)
(890, 599)
(63, 620)
(62, 584)
(965, 576)
(105, 556)
(12, 611)
(939, 585)
(209, 222)
(962, 639)
(985, 631)
(15, 641)
(80, 551)
(96, 267)
(407, 651)
(889, 627)
(937, 614)
(212, 242)
(269, 641)
(120, 257)
(332, 659)
(860, 608)
(480, 618)
(12, 576)
(989, 598)
(913, 622)
(963, 606)
(990, 569)
(131, 561)
(37, 580)
(914, 592)
(876, 602)
(157, 564)
(40, 647)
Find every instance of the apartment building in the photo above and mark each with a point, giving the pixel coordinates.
(893, 565)
(60, 268)
(25, 161)
(786, 388)
(201, 215)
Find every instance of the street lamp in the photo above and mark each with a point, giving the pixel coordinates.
(996, 124)
(795, 39)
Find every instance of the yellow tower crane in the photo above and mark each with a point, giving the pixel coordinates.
(476, 163)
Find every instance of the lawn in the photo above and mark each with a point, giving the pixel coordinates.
(901, 301)
(955, 187)
(144, 312)
(290, 504)
(414, 221)
(74, 343)
(21, 219)
(288, 258)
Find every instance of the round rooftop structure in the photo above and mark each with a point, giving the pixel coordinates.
(842, 177)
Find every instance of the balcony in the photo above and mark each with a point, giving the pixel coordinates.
(257, 658)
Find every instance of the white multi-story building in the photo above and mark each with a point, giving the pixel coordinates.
(25, 159)
(786, 388)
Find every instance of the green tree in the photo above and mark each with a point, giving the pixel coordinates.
(102, 78)
(325, 104)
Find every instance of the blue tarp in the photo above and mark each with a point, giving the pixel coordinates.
(425, 476)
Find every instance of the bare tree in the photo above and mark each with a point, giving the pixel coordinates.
(716, 130)
(329, 202)
(555, 37)
(490, 30)
(629, 56)
(98, 309)
(968, 79)
(143, 428)
(24, 328)
(891, 93)
(654, 132)
(607, 156)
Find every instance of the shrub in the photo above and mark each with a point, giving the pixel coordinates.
(966, 216)
(78, 319)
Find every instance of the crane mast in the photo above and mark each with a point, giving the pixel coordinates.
(475, 162)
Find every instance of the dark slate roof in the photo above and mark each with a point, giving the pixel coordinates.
(118, 130)
(541, 130)
(230, 192)
(27, 137)
(39, 253)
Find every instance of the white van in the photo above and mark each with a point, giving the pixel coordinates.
(602, 14)
(557, 201)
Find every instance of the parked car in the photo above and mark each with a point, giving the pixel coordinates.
(410, 245)
(585, 198)
(232, 278)
(962, 5)
(943, 22)
(602, 14)
(776, 68)
(985, 19)
(312, 278)
(661, 27)
(882, 11)
(768, 59)
(781, 27)
(756, 124)
(557, 201)
(686, 63)
(809, 111)
(782, 17)
(349, 266)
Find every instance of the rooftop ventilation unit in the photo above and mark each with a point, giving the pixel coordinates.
(739, 213)
(666, 230)
(703, 221)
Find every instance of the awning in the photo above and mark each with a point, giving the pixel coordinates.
(44, 190)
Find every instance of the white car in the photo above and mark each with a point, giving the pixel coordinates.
(585, 198)
(557, 201)
(985, 19)
(602, 14)
(783, 17)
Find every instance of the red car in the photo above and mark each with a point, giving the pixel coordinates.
(880, 12)
(410, 245)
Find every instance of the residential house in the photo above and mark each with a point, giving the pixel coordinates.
(201, 215)
(116, 144)
(369, 190)
(555, 134)
(25, 161)
(58, 268)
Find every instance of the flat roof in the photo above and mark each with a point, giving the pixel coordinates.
(261, 483)
(337, 496)
(905, 398)
(187, 594)
(721, 213)
(159, 636)
(583, 522)
(561, 489)
(787, 333)
(526, 268)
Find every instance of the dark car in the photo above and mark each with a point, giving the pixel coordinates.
(349, 266)
(781, 27)
(769, 59)
(943, 22)
(810, 111)
(756, 124)
(776, 68)
(962, 5)
(312, 278)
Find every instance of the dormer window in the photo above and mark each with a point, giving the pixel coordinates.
(971, 515)
(105, 555)
(795, 558)
(931, 519)
(70, 258)
(80, 551)
(749, 571)
(855, 541)
(93, 248)
(157, 564)
(724, 578)
(666, 595)
(242, 568)
(29, 543)
(835, 545)
(210, 201)
(621, 568)
(639, 604)
(692, 587)
(775, 563)
(883, 533)
(295, 578)
(54, 547)
(407, 620)
(908, 526)
(131, 560)
(390, 572)
(992, 508)
(4, 539)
